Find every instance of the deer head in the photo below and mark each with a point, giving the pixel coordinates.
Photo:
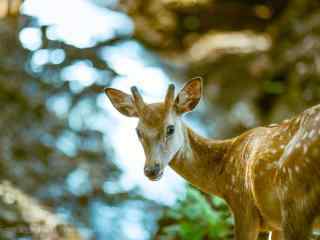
(160, 129)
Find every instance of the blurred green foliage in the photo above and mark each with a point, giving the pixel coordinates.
(197, 217)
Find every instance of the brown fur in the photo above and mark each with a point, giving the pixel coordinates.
(269, 176)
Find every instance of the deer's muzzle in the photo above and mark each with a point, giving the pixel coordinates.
(153, 172)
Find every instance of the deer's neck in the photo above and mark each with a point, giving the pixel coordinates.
(201, 161)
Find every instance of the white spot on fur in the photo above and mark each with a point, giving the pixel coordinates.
(297, 169)
(312, 133)
(273, 151)
(305, 148)
(312, 111)
(305, 135)
(269, 166)
(233, 179)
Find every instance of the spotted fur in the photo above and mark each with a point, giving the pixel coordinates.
(269, 176)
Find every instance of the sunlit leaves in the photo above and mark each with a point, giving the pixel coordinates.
(194, 218)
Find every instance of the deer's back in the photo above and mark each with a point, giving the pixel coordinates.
(283, 164)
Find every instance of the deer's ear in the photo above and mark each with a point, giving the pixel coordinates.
(189, 96)
(122, 102)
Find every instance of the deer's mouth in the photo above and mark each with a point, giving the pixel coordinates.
(156, 177)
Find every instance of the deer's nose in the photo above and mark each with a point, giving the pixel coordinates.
(152, 171)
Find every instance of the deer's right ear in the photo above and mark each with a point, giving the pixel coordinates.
(189, 96)
(122, 102)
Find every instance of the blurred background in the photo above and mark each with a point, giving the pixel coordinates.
(71, 166)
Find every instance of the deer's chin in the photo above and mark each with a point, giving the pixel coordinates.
(156, 178)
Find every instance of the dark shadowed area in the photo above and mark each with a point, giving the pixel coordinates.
(72, 167)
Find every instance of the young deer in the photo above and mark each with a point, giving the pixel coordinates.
(269, 176)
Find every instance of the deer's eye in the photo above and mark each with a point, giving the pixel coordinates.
(170, 130)
(139, 133)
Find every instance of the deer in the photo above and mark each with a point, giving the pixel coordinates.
(269, 175)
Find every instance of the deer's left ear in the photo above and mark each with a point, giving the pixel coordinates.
(122, 102)
(189, 96)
